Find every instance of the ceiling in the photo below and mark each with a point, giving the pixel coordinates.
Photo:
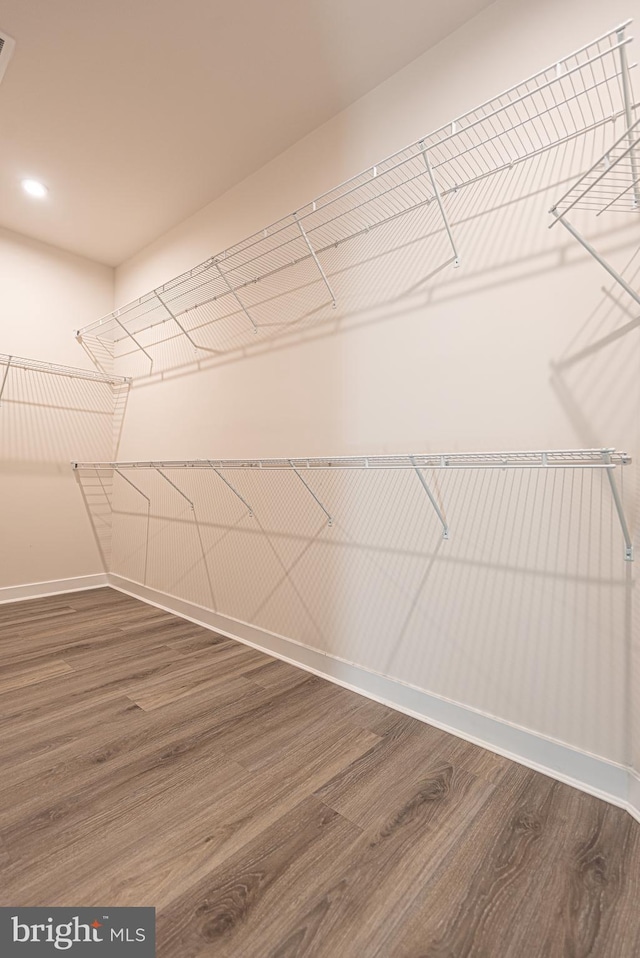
(136, 113)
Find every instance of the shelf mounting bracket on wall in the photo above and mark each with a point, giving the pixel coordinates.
(133, 486)
(132, 337)
(311, 492)
(425, 486)
(4, 378)
(596, 255)
(456, 258)
(177, 488)
(612, 183)
(233, 489)
(315, 257)
(234, 293)
(181, 327)
(628, 544)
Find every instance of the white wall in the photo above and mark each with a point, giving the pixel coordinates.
(524, 614)
(45, 421)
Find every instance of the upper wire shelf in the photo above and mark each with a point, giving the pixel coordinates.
(72, 372)
(232, 298)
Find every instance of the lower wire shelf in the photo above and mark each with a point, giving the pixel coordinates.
(607, 459)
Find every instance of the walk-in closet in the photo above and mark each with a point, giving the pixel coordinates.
(319, 628)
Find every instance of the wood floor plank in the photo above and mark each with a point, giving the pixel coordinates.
(479, 898)
(204, 668)
(382, 872)
(79, 684)
(267, 813)
(277, 675)
(201, 639)
(219, 915)
(593, 885)
(22, 744)
(154, 858)
(24, 652)
(51, 787)
(18, 677)
(365, 791)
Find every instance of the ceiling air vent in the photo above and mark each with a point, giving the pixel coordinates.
(7, 44)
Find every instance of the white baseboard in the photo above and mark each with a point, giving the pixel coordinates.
(633, 806)
(37, 590)
(589, 773)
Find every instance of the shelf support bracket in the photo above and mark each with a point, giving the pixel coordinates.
(456, 258)
(233, 489)
(4, 378)
(234, 293)
(432, 500)
(617, 501)
(626, 93)
(311, 493)
(181, 327)
(315, 257)
(178, 490)
(593, 252)
(132, 337)
(133, 486)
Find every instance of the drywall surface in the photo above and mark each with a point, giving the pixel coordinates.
(45, 421)
(525, 613)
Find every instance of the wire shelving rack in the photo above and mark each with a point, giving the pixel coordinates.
(291, 272)
(606, 459)
(611, 185)
(70, 372)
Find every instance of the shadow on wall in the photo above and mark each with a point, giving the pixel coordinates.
(597, 383)
(46, 421)
(49, 419)
(497, 617)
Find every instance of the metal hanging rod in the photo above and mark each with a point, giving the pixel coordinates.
(580, 93)
(607, 459)
(18, 362)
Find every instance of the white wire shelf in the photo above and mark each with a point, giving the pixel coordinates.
(607, 459)
(72, 372)
(558, 458)
(231, 298)
(612, 183)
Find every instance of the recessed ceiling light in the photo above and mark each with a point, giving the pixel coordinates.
(34, 188)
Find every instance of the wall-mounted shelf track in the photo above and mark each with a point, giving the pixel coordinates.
(611, 184)
(606, 459)
(71, 372)
(294, 271)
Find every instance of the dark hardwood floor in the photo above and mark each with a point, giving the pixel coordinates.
(266, 812)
